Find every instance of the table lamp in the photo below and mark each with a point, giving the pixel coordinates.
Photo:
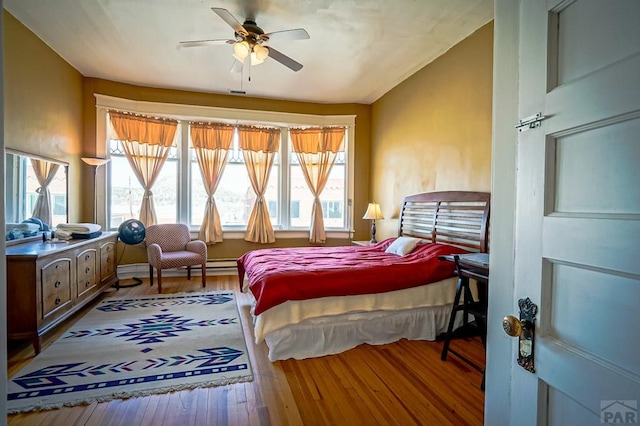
(373, 212)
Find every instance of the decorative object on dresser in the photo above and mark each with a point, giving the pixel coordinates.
(133, 346)
(48, 281)
(78, 231)
(373, 212)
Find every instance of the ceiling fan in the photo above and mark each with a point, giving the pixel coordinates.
(249, 42)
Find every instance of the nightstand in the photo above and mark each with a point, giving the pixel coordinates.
(361, 243)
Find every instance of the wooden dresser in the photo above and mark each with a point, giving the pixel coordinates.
(49, 281)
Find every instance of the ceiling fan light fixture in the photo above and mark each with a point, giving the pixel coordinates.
(248, 39)
(255, 60)
(241, 50)
(261, 52)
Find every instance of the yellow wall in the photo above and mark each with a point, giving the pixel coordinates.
(42, 104)
(432, 132)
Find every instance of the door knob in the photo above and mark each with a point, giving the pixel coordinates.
(512, 326)
(524, 330)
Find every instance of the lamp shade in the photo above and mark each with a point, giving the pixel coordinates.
(255, 60)
(261, 52)
(241, 50)
(373, 212)
(95, 161)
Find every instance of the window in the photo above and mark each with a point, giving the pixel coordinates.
(179, 194)
(126, 192)
(333, 193)
(234, 195)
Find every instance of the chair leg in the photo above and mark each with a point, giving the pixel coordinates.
(454, 311)
(189, 272)
(151, 275)
(159, 280)
(204, 275)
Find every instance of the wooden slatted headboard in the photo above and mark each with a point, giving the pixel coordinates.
(459, 218)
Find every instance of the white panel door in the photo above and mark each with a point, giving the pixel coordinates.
(577, 253)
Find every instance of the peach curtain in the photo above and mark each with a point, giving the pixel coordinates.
(45, 172)
(259, 148)
(146, 142)
(211, 142)
(317, 149)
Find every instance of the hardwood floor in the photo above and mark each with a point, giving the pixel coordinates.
(400, 383)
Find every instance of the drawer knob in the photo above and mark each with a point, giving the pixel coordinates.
(86, 257)
(58, 300)
(57, 284)
(87, 270)
(87, 284)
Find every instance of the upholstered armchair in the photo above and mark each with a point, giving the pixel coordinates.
(170, 246)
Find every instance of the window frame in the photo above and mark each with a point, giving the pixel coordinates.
(186, 113)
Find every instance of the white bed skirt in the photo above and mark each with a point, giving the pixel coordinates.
(325, 336)
(311, 328)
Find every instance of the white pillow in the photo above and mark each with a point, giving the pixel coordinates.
(403, 245)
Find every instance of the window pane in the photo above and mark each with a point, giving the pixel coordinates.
(334, 193)
(198, 194)
(332, 198)
(126, 192)
(60, 205)
(235, 196)
(165, 193)
(57, 190)
(31, 202)
(295, 209)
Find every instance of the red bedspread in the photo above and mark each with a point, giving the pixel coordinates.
(278, 275)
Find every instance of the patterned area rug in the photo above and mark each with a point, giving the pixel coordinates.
(135, 346)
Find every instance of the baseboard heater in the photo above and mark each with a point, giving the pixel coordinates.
(214, 267)
(222, 264)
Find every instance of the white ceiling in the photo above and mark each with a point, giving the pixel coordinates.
(358, 50)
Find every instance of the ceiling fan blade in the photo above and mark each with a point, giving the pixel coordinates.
(196, 43)
(236, 66)
(295, 34)
(230, 20)
(284, 59)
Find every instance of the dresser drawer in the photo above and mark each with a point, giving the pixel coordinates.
(107, 260)
(55, 287)
(86, 271)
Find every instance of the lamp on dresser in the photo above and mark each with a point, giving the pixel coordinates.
(95, 162)
(373, 212)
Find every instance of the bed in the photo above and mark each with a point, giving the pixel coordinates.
(316, 301)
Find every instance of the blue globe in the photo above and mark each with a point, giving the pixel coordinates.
(131, 231)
